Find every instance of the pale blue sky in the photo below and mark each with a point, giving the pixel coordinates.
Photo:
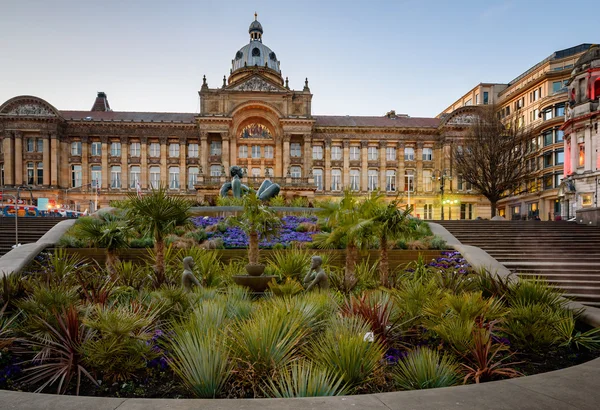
(361, 58)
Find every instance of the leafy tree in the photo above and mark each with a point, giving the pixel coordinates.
(492, 158)
(105, 230)
(256, 220)
(158, 214)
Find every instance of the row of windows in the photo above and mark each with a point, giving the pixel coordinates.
(372, 153)
(134, 149)
(256, 150)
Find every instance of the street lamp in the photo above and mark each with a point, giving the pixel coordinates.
(441, 176)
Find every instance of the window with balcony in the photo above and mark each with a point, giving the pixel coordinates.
(174, 150)
(372, 153)
(317, 152)
(354, 153)
(215, 170)
(390, 180)
(336, 153)
(372, 179)
(355, 180)
(173, 177)
(295, 150)
(409, 154)
(134, 149)
(115, 149)
(192, 177)
(134, 176)
(336, 180)
(296, 172)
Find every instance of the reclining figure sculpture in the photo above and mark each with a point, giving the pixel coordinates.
(267, 190)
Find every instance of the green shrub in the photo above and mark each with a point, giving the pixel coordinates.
(290, 287)
(144, 242)
(304, 379)
(535, 291)
(343, 349)
(277, 201)
(438, 242)
(532, 325)
(278, 246)
(570, 336)
(70, 241)
(425, 369)
(179, 231)
(299, 202)
(290, 263)
(207, 265)
(401, 244)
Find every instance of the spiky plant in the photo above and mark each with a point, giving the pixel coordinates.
(345, 349)
(157, 214)
(570, 336)
(425, 368)
(58, 355)
(305, 379)
(532, 326)
(536, 291)
(208, 265)
(375, 311)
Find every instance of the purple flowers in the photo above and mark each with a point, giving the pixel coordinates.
(451, 260)
(234, 237)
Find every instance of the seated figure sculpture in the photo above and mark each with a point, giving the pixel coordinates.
(316, 278)
(187, 278)
(266, 191)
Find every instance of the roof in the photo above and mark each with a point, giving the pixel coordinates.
(398, 122)
(129, 116)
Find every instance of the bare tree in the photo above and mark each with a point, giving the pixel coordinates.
(492, 155)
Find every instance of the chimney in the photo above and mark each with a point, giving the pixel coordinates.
(101, 103)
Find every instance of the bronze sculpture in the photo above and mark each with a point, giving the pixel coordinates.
(316, 278)
(267, 190)
(187, 278)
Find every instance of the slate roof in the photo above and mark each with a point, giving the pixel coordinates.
(359, 121)
(129, 116)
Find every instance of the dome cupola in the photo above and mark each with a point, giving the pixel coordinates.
(255, 29)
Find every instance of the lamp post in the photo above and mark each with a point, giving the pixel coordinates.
(442, 176)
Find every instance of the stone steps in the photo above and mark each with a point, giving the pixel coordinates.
(30, 230)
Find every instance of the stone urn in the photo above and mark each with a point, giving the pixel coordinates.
(255, 269)
(258, 284)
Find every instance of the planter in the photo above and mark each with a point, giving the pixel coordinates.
(256, 283)
(255, 269)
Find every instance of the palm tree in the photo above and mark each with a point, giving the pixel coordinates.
(157, 214)
(105, 230)
(348, 220)
(389, 223)
(256, 220)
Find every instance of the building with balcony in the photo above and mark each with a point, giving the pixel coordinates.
(536, 99)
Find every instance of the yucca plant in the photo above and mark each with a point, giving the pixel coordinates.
(13, 288)
(131, 274)
(532, 325)
(570, 336)
(425, 368)
(208, 265)
(483, 361)
(96, 289)
(375, 309)
(290, 287)
(314, 308)
(42, 303)
(175, 301)
(413, 295)
(344, 349)
(60, 266)
(467, 306)
(491, 284)
(536, 291)
(267, 341)
(58, 355)
(199, 355)
(290, 264)
(6, 322)
(305, 379)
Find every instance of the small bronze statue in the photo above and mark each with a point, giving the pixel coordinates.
(188, 279)
(316, 276)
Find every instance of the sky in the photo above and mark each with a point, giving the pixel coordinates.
(360, 57)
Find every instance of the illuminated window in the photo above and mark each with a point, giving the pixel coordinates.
(581, 155)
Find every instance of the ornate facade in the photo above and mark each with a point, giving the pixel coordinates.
(253, 120)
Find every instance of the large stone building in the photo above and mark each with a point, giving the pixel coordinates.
(536, 100)
(579, 192)
(253, 120)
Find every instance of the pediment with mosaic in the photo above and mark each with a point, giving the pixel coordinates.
(256, 131)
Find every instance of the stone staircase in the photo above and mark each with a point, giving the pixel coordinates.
(565, 254)
(30, 230)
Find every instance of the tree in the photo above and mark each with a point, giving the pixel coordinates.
(105, 230)
(492, 156)
(349, 221)
(157, 214)
(256, 220)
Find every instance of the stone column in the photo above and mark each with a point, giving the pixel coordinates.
(164, 172)
(401, 170)
(225, 153)
(54, 159)
(588, 165)
(144, 163)
(64, 171)
(346, 157)
(18, 158)
(8, 149)
(364, 168)
(124, 162)
(419, 171)
(574, 153)
(382, 165)
(308, 161)
(85, 168)
(233, 152)
(182, 164)
(327, 172)
(46, 159)
(447, 165)
(104, 158)
(286, 153)
(204, 153)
